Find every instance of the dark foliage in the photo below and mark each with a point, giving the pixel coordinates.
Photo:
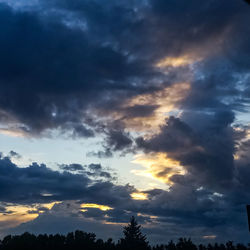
(133, 239)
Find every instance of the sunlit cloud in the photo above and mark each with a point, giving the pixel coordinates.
(139, 196)
(158, 166)
(114, 223)
(209, 237)
(12, 133)
(148, 215)
(50, 205)
(15, 215)
(92, 205)
(10, 126)
(192, 67)
(165, 101)
(177, 61)
(239, 153)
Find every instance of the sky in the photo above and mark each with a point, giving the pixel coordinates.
(110, 109)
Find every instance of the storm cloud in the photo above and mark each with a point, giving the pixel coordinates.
(144, 77)
(38, 183)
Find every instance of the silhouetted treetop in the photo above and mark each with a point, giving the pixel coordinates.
(79, 240)
(133, 237)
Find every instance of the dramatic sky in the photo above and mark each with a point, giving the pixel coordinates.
(133, 107)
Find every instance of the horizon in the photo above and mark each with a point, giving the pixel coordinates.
(132, 228)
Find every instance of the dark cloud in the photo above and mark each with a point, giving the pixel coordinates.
(2, 209)
(92, 170)
(57, 73)
(29, 184)
(42, 209)
(38, 183)
(95, 167)
(72, 167)
(174, 136)
(13, 154)
(32, 212)
(61, 220)
(88, 64)
(205, 148)
(73, 64)
(100, 154)
(76, 58)
(140, 110)
(97, 171)
(186, 205)
(215, 185)
(118, 140)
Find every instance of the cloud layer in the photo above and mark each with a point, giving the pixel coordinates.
(155, 77)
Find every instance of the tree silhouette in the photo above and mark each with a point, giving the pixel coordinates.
(133, 237)
(79, 240)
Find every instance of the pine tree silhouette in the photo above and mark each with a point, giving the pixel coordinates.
(134, 239)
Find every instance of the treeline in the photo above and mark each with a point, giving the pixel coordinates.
(133, 239)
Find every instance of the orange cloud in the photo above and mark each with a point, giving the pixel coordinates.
(15, 215)
(92, 205)
(18, 214)
(165, 101)
(139, 196)
(177, 61)
(158, 166)
(12, 133)
(209, 237)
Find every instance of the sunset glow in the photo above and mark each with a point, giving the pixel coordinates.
(158, 167)
(139, 196)
(111, 110)
(101, 207)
